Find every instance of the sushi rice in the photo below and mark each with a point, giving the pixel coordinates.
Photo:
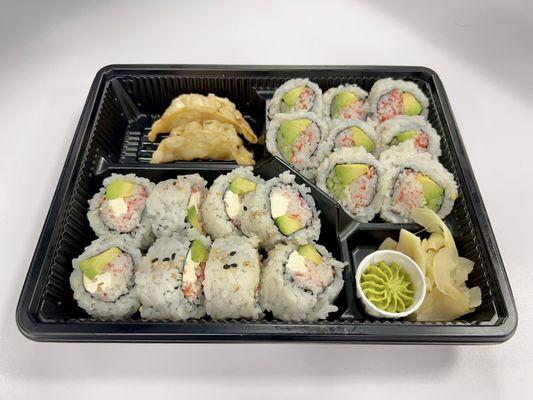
(308, 149)
(258, 221)
(402, 191)
(165, 291)
(214, 209)
(361, 198)
(309, 100)
(352, 134)
(232, 276)
(356, 111)
(385, 98)
(304, 293)
(168, 204)
(133, 221)
(422, 137)
(114, 295)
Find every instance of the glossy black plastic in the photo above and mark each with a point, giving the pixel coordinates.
(123, 102)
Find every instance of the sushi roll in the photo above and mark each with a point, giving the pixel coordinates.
(223, 207)
(296, 95)
(416, 182)
(352, 134)
(169, 279)
(103, 278)
(231, 282)
(354, 179)
(300, 283)
(346, 102)
(409, 134)
(282, 210)
(299, 139)
(389, 98)
(120, 208)
(174, 206)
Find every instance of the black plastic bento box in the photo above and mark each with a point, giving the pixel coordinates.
(123, 102)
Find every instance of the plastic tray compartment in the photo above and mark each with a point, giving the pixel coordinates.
(123, 102)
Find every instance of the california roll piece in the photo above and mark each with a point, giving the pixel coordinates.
(282, 210)
(409, 134)
(223, 207)
(103, 278)
(296, 95)
(170, 277)
(389, 98)
(354, 179)
(232, 279)
(416, 182)
(299, 139)
(174, 206)
(352, 134)
(120, 208)
(346, 102)
(300, 283)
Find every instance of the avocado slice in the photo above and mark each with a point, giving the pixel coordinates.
(289, 131)
(198, 252)
(334, 187)
(341, 100)
(241, 186)
(403, 136)
(290, 98)
(347, 173)
(360, 138)
(192, 218)
(97, 264)
(288, 224)
(309, 252)
(411, 106)
(119, 188)
(433, 192)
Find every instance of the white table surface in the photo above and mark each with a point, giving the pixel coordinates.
(49, 54)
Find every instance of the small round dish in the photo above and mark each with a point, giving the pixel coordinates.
(404, 262)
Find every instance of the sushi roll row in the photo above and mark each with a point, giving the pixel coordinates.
(238, 203)
(364, 185)
(303, 140)
(387, 99)
(206, 257)
(180, 279)
(242, 204)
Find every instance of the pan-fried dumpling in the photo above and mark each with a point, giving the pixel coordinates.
(204, 140)
(196, 107)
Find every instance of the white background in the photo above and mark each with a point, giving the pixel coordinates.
(49, 54)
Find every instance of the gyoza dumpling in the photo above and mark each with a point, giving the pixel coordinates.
(203, 140)
(196, 107)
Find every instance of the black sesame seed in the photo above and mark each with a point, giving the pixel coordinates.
(155, 259)
(245, 208)
(232, 253)
(173, 256)
(166, 259)
(234, 265)
(226, 266)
